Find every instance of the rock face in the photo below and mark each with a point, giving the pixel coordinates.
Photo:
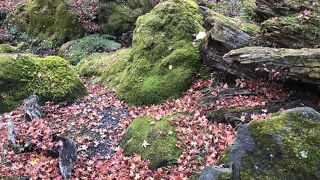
(164, 60)
(51, 78)
(277, 64)
(48, 19)
(153, 139)
(284, 20)
(285, 145)
(32, 108)
(75, 50)
(120, 16)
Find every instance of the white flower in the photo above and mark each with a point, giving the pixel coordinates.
(201, 35)
(170, 67)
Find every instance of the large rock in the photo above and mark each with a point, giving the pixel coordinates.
(211, 173)
(153, 139)
(164, 61)
(48, 19)
(271, 8)
(285, 145)
(276, 64)
(292, 31)
(76, 50)
(51, 78)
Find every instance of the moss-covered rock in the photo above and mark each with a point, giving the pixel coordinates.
(267, 9)
(48, 19)
(106, 68)
(76, 50)
(50, 78)
(285, 145)
(164, 60)
(293, 31)
(153, 139)
(120, 16)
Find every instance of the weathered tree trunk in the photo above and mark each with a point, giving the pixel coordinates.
(275, 64)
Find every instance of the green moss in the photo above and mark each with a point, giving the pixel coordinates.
(3, 14)
(225, 176)
(50, 78)
(161, 137)
(48, 19)
(106, 68)
(288, 146)
(76, 50)
(118, 17)
(162, 66)
(292, 31)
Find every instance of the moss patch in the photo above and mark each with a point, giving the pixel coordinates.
(161, 137)
(48, 19)
(76, 50)
(288, 147)
(105, 68)
(50, 78)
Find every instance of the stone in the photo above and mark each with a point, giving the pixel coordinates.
(284, 145)
(32, 108)
(153, 140)
(211, 173)
(12, 133)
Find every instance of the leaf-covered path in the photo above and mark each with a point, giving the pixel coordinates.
(98, 122)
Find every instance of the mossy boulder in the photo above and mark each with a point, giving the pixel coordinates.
(105, 68)
(51, 19)
(211, 173)
(285, 145)
(120, 16)
(293, 31)
(164, 60)
(50, 78)
(153, 139)
(78, 49)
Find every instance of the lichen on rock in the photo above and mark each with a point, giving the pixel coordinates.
(285, 145)
(50, 78)
(153, 139)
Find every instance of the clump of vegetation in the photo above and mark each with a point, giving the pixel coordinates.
(50, 78)
(76, 50)
(153, 139)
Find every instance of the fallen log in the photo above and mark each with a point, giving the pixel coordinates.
(275, 64)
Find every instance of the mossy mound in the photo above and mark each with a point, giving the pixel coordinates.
(118, 17)
(164, 60)
(50, 78)
(50, 19)
(285, 145)
(105, 68)
(76, 50)
(293, 31)
(159, 137)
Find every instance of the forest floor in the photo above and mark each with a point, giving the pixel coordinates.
(98, 121)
